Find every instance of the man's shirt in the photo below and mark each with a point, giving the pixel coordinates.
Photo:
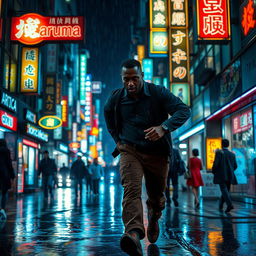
(136, 117)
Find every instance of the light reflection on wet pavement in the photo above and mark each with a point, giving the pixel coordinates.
(92, 226)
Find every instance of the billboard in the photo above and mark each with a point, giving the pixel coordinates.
(32, 28)
(213, 20)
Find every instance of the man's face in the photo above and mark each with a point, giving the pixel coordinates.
(46, 155)
(132, 79)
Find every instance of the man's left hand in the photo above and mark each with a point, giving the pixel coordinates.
(154, 133)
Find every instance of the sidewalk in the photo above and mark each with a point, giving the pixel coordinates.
(92, 226)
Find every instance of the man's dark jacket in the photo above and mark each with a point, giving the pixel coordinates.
(224, 166)
(6, 169)
(159, 96)
(78, 169)
(47, 167)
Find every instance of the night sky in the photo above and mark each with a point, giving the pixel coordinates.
(108, 37)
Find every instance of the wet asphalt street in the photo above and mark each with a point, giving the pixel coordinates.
(91, 226)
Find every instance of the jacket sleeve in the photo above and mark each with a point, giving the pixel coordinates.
(109, 114)
(178, 111)
(54, 166)
(235, 163)
(216, 162)
(10, 167)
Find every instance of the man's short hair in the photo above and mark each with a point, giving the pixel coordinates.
(46, 152)
(131, 63)
(225, 143)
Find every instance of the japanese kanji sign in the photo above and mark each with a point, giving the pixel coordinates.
(248, 16)
(213, 19)
(29, 70)
(50, 122)
(49, 104)
(158, 42)
(158, 14)
(178, 48)
(212, 144)
(158, 27)
(32, 28)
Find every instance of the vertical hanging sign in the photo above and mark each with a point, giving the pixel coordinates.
(64, 111)
(178, 43)
(158, 27)
(29, 70)
(83, 71)
(88, 100)
(49, 106)
(213, 20)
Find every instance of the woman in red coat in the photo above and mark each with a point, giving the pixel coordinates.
(195, 165)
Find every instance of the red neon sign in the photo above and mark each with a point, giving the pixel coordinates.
(33, 28)
(64, 111)
(242, 122)
(248, 21)
(213, 19)
(30, 143)
(8, 121)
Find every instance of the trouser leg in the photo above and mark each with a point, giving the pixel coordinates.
(3, 198)
(155, 172)
(167, 190)
(131, 172)
(225, 194)
(45, 186)
(175, 186)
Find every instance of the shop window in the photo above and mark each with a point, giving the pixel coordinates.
(239, 129)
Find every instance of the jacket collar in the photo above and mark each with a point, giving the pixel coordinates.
(145, 90)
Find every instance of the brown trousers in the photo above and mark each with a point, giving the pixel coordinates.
(133, 166)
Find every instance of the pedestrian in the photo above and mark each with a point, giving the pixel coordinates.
(6, 176)
(195, 166)
(96, 172)
(223, 169)
(77, 173)
(137, 118)
(64, 172)
(48, 169)
(176, 168)
(88, 178)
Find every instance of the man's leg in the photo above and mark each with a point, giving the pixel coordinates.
(76, 186)
(167, 190)
(225, 194)
(131, 172)
(45, 186)
(175, 185)
(3, 198)
(155, 171)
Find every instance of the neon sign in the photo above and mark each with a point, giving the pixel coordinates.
(248, 22)
(32, 28)
(50, 122)
(213, 19)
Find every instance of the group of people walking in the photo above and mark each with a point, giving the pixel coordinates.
(79, 171)
(91, 173)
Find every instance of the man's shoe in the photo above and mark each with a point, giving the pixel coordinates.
(229, 208)
(153, 250)
(130, 244)
(175, 201)
(153, 229)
